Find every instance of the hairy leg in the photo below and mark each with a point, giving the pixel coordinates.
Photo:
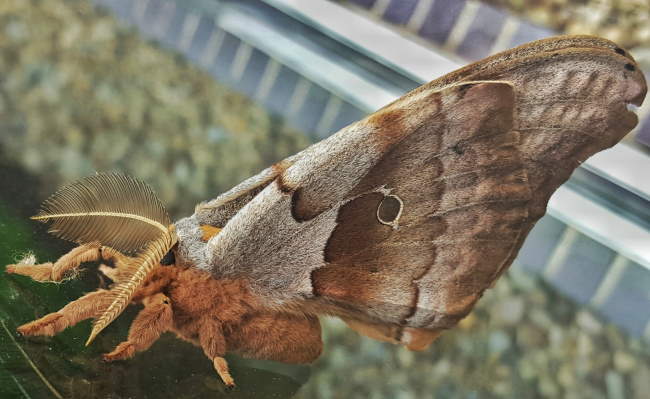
(83, 308)
(68, 263)
(151, 322)
(213, 343)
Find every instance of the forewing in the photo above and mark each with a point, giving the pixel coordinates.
(440, 152)
(408, 216)
(570, 104)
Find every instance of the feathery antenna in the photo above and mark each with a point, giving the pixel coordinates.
(116, 210)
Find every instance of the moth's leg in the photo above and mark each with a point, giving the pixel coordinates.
(57, 271)
(379, 332)
(418, 339)
(221, 365)
(151, 322)
(213, 343)
(83, 308)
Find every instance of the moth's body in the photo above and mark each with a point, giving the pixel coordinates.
(398, 223)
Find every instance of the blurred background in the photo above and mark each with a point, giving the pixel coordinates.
(194, 96)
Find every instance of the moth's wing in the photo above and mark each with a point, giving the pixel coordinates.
(316, 234)
(376, 200)
(570, 104)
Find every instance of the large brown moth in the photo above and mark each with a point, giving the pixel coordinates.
(397, 224)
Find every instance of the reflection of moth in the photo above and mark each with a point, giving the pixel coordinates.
(396, 224)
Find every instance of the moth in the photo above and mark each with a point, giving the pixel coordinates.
(396, 224)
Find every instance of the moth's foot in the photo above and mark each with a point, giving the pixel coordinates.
(123, 351)
(42, 272)
(48, 325)
(221, 366)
